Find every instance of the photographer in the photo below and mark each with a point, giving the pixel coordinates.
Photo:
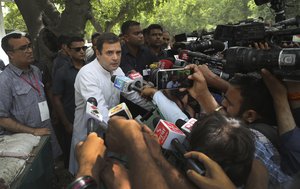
(288, 132)
(239, 103)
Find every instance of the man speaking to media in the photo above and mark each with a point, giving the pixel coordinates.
(94, 80)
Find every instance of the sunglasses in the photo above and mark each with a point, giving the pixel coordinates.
(77, 49)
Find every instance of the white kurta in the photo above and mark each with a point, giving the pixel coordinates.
(94, 81)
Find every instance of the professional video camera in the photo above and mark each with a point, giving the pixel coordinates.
(208, 46)
(247, 32)
(282, 62)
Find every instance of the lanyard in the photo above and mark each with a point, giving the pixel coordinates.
(34, 85)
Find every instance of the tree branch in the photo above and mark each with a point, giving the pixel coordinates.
(120, 16)
(95, 23)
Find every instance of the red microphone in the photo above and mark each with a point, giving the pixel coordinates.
(166, 132)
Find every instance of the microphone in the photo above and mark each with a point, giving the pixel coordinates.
(165, 64)
(124, 84)
(191, 163)
(120, 110)
(180, 63)
(93, 116)
(166, 132)
(138, 78)
(171, 137)
(186, 126)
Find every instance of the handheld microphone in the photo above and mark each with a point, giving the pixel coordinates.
(124, 84)
(180, 63)
(120, 110)
(191, 163)
(93, 116)
(186, 126)
(166, 132)
(171, 137)
(138, 78)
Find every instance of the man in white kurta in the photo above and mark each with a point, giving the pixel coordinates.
(94, 80)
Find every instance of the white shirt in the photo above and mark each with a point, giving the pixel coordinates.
(169, 109)
(94, 81)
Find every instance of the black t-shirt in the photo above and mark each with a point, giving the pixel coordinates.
(142, 61)
(63, 84)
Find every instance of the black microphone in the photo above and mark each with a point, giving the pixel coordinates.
(155, 121)
(91, 122)
(179, 123)
(199, 168)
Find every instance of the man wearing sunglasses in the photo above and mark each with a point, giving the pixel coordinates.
(63, 93)
(23, 105)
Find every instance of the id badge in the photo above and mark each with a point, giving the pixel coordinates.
(44, 110)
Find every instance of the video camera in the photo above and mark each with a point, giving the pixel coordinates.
(247, 32)
(282, 62)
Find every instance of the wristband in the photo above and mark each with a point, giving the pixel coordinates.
(219, 108)
(294, 96)
(84, 182)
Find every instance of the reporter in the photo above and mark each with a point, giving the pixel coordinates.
(89, 155)
(114, 175)
(174, 178)
(242, 100)
(125, 136)
(215, 177)
(289, 133)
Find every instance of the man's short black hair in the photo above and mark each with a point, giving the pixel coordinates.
(62, 40)
(106, 38)
(228, 142)
(256, 96)
(95, 35)
(152, 27)
(74, 39)
(13, 35)
(126, 25)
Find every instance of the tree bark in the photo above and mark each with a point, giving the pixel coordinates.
(96, 24)
(74, 17)
(45, 24)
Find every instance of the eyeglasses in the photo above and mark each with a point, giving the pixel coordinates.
(24, 48)
(77, 49)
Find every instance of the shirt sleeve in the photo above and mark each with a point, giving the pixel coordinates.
(6, 96)
(168, 108)
(88, 87)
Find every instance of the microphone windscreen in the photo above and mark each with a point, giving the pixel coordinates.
(155, 121)
(113, 78)
(179, 123)
(166, 64)
(93, 101)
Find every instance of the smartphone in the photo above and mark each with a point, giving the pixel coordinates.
(173, 78)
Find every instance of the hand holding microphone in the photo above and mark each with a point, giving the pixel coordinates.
(215, 177)
(93, 116)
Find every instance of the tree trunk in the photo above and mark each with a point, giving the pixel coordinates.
(74, 18)
(45, 24)
(32, 17)
(292, 8)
